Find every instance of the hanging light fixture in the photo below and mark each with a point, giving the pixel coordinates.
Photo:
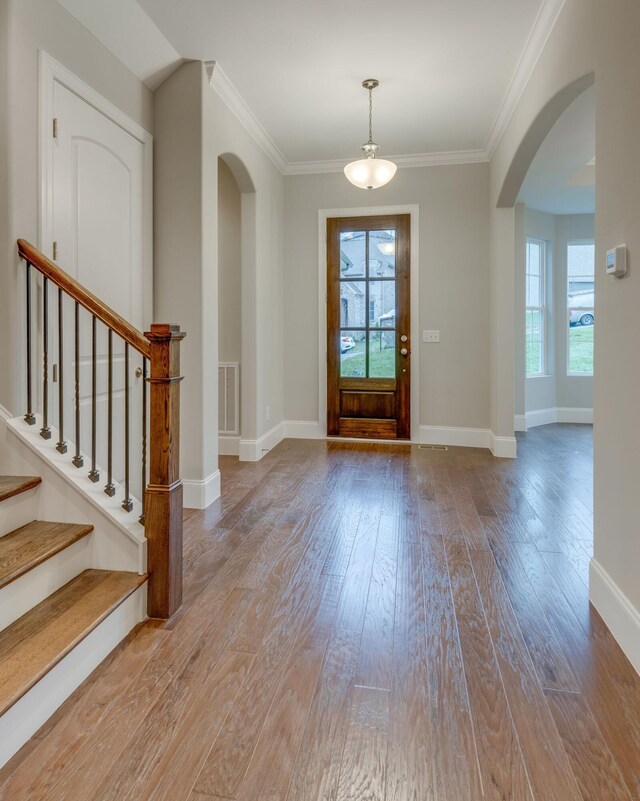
(370, 172)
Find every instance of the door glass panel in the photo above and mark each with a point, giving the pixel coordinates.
(353, 354)
(382, 304)
(353, 254)
(382, 354)
(353, 301)
(382, 254)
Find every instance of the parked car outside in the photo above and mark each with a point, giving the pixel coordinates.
(581, 309)
(346, 343)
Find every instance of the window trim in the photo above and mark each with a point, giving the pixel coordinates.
(542, 309)
(570, 242)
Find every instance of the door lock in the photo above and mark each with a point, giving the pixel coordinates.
(403, 338)
(403, 351)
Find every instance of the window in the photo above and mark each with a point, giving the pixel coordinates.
(536, 260)
(580, 307)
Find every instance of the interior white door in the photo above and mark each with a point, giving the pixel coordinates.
(98, 224)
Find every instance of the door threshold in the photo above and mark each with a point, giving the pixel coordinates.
(370, 439)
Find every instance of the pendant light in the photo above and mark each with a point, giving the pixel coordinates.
(370, 172)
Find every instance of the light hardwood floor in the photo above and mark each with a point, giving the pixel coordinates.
(366, 623)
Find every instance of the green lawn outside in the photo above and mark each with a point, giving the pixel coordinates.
(580, 348)
(381, 362)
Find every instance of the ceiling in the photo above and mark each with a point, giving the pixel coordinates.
(561, 179)
(450, 71)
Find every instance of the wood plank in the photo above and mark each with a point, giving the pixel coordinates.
(35, 643)
(14, 485)
(31, 545)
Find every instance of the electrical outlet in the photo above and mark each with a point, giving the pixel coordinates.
(267, 413)
(431, 336)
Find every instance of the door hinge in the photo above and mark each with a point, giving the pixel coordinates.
(55, 251)
(55, 127)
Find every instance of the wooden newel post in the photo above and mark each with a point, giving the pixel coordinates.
(163, 504)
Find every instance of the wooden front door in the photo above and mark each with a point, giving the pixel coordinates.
(368, 327)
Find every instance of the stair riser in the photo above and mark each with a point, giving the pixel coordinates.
(19, 510)
(17, 598)
(25, 717)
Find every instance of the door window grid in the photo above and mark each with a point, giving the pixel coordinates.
(535, 311)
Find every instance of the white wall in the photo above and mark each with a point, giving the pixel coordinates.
(454, 286)
(229, 266)
(193, 127)
(29, 26)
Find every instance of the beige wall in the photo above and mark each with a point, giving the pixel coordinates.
(30, 26)
(454, 286)
(229, 266)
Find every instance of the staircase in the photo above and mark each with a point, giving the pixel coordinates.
(58, 621)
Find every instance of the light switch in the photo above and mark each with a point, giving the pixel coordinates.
(431, 336)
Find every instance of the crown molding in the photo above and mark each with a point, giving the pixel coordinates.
(234, 101)
(413, 160)
(542, 27)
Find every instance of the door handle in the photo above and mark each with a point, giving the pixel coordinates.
(403, 351)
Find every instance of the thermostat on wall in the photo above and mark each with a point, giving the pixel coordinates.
(617, 261)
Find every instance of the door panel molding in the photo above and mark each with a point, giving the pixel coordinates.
(370, 211)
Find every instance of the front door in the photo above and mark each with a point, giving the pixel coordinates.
(368, 327)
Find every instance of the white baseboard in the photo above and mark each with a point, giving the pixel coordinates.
(252, 450)
(198, 494)
(28, 714)
(503, 447)
(303, 429)
(228, 446)
(559, 414)
(617, 611)
(461, 437)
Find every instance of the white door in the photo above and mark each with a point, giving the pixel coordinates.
(98, 225)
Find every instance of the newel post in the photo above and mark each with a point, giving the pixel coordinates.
(163, 503)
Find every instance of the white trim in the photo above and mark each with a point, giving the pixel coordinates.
(252, 450)
(52, 71)
(411, 160)
(236, 104)
(542, 27)
(370, 211)
(544, 417)
(302, 429)
(228, 446)
(455, 437)
(198, 494)
(28, 714)
(5, 414)
(617, 611)
(503, 447)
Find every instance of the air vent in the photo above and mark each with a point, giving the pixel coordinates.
(433, 447)
(229, 398)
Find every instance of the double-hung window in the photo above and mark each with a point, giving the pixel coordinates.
(580, 307)
(536, 260)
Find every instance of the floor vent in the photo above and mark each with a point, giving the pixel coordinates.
(229, 398)
(433, 447)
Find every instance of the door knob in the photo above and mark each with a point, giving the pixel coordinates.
(403, 351)
(403, 338)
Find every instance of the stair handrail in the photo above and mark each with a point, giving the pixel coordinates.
(84, 297)
(160, 351)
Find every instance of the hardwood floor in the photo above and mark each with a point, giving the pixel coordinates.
(366, 622)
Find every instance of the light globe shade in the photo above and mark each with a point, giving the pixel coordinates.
(370, 173)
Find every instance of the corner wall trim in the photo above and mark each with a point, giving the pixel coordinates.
(228, 446)
(198, 494)
(560, 414)
(461, 437)
(617, 611)
(503, 447)
(252, 450)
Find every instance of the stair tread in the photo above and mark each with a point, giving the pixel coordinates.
(27, 547)
(14, 485)
(36, 642)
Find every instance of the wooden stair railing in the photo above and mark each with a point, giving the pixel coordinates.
(159, 349)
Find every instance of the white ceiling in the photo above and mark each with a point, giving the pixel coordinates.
(561, 179)
(450, 70)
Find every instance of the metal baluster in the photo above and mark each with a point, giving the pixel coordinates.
(61, 446)
(45, 431)
(29, 417)
(110, 489)
(77, 460)
(94, 473)
(143, 489)
(127, 503)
